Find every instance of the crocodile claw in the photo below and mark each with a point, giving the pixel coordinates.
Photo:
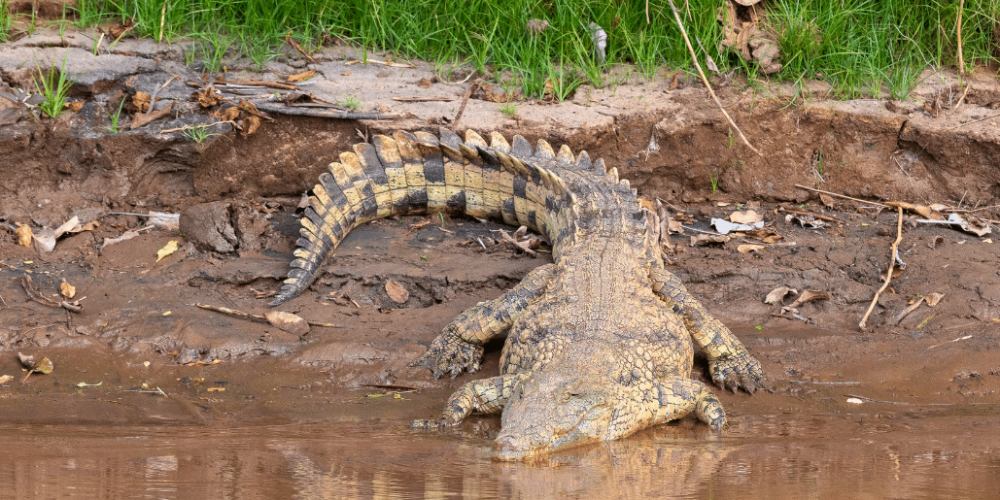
(452, 355)
(741, 371)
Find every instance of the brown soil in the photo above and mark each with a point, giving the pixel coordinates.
(139, 327)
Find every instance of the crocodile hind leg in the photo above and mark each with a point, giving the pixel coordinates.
(460, 346)
(730, 363)
(486, 396)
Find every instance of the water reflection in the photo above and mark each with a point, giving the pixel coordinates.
(762, 457)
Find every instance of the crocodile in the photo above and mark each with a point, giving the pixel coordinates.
(599, 342)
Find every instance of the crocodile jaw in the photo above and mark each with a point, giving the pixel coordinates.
(552, 413)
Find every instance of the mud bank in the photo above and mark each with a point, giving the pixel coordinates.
(673, 144)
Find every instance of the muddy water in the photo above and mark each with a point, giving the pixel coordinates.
(821, 456)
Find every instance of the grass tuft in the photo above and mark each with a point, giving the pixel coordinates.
(54, 86)
(863, 47)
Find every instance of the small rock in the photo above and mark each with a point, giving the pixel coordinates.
(208, 226)
(425, 83)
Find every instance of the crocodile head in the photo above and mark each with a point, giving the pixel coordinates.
(552, 410)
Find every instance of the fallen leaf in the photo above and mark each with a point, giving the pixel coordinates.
(827, 200)
(74, 106)
(396, 292)
(750, 248)
(298, 77)
(708, 239)
(141, 119)
(167, 249)
(933, 298)
(141, 101)
(230, 114)
(207, 98)
(855, 401)
(810, 296)
(67, 290)
(924, 211)
(84, 384)
(250, 125)
(23, 233)
(288, 322)
(216, 389)
(767, 235)
(5, 378)
(778, 294)
(725, 227)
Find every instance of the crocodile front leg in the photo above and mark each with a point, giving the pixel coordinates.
(667, 400)
(487, 396)
(730, 363)
(460, 346)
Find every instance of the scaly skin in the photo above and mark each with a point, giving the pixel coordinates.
(599, 343)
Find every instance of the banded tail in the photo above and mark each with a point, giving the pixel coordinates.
(418, 173)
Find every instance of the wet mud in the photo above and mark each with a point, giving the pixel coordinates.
(182, 402)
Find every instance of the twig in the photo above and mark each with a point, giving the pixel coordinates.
(888, 275)
(961, 99)
(295, 45)
(967, 337)
(257, 317)
(826, 218)
(961, 61)
(423, 99)
(518, 244)
(163, 20)
(189, 127)
(324, 113)
(837, 195)
(383, 63)
(258, 83)
(4, 301)
(708, 85)
(820, 382)
(465, 100)
(870, 400)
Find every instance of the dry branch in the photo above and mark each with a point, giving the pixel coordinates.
(708, 85)
(837, 195)
(888, 275)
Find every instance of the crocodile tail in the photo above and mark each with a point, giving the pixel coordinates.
(412, 173)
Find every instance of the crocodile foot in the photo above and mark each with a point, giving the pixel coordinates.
(740, 371)
(450, 354)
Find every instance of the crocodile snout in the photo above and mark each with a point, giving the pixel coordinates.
(511, 448)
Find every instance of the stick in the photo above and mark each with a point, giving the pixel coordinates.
(295, 45)
(509, 238)
(324, 113)
(961, 62)
(258, 83)
(163, 20)
(256, 317)
(827, 218)
(888, 275)
(423, 99)
(877, 204)
(465, 100)
(820, 382)
(389, 64)
(697, 65)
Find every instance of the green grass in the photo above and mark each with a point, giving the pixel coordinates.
(863, 47)
(350, 101)
(198, 133)
(5, 20)
(53, 84)
(115, 118)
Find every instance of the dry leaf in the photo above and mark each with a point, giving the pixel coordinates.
(707, 239)
(167, 249)
(750, 248)
(250, 125)
(216, 389)
(5, 378)
(67, 290)
(748, 217)
(933, 298)
(23, 233)
(396, 291)
(810, 296)
(230, 114)
(203, 363)
(74, 106)
(766, 235)
(298, 77)
(827, 200)
(141, 119)
(778, 294)
(141, 101)
(207, 98)
(288, 322)
(923, 211)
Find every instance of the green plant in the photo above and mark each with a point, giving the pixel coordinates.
(54, 86)
(198, 133)
(5, 20)
(509, 109)
(115, 118)
(350, 101)
(714, 179)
